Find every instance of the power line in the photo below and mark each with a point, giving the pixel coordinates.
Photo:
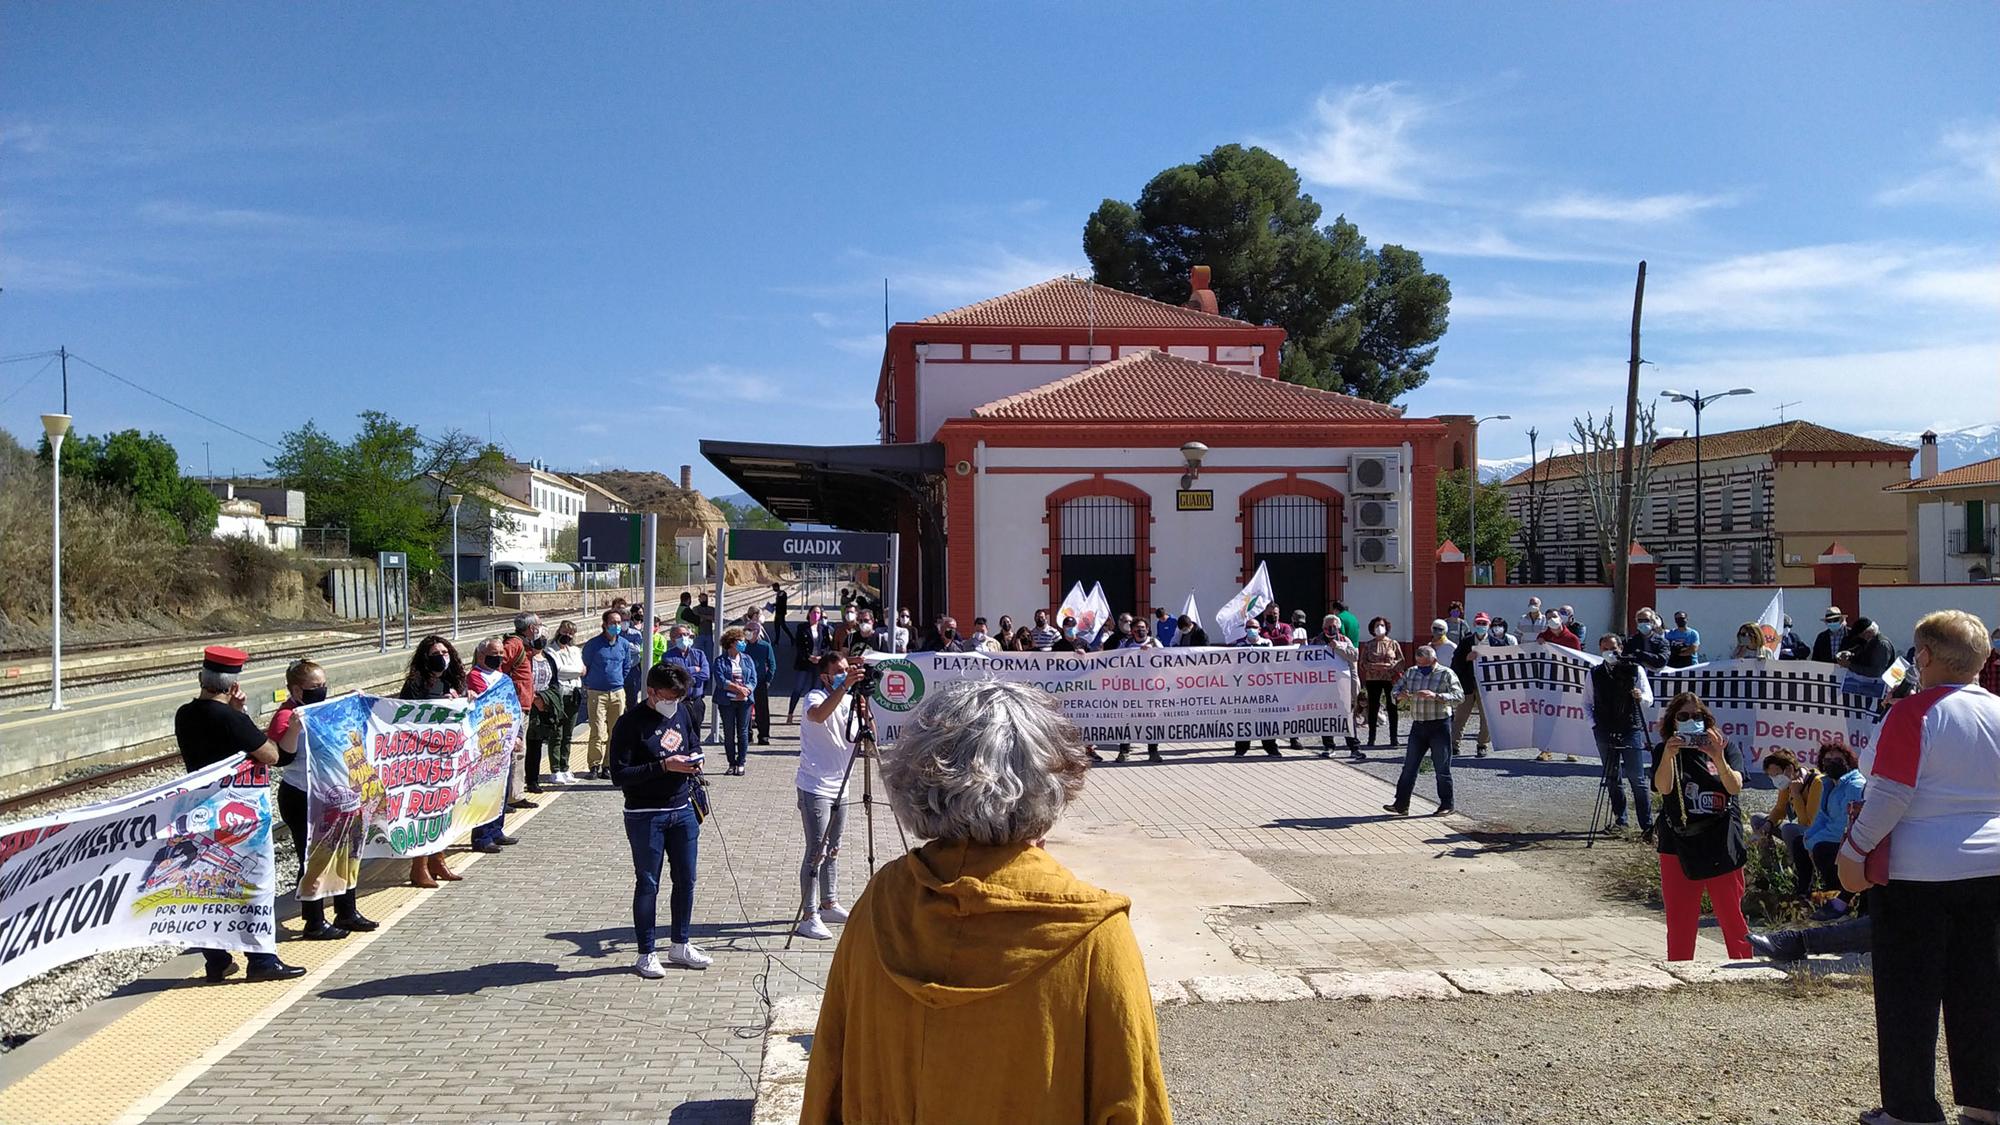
(30, 380)
(25, 356)
(170, 402)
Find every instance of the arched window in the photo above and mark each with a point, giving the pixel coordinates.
(1292, 526)
(1099, 532)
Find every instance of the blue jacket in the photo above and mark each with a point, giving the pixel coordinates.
(696, 663)
(606, 663)
(1830, 826)
(1167, 630)
(766, 659)
(748, 676)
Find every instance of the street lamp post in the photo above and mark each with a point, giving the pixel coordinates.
(456, 499)
(1700, 403)
(1534, 510)
(1472, 501)
(57, 427)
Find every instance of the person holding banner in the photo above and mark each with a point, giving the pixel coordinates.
(1701, 845)
(1487, 631)
(305, 684)
(435, 672)
(1429, 692)
(1619, 694)
(1141, 636)
(215, 726)
(654, 760)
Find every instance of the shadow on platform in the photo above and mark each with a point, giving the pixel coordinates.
(717, 1111)
(616, 941)
(465, 982)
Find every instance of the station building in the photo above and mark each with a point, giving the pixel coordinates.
(1070, 432)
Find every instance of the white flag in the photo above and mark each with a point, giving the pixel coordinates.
(1096, 609)
(1771, 623)
(1072, 604)
(1189, 610)
(1246, 605)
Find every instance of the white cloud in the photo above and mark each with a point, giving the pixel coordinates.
(1362, 139)
(1481, 242)
(988, 274)
(826, 320)
(717, 382)
(869, 345)
(1971, 169)
(1579, 206)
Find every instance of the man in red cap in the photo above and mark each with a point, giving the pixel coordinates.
(214, 727)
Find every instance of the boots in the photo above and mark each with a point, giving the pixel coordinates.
(420, 873)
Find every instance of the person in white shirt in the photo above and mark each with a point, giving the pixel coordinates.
(1442, 643)
(568, 661)
(825, 754)
(1934, 802)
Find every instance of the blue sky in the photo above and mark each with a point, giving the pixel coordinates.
(607, 231)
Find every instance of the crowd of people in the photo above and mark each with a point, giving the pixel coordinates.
(984, 768)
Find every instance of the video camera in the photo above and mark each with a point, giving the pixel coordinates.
(862, 676)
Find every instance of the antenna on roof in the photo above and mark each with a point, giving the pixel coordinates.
(1782, 405)
(885, 324)
(1090, 315)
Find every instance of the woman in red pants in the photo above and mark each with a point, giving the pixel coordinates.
(1698, 775)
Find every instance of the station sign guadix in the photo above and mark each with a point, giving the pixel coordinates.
(808, 546)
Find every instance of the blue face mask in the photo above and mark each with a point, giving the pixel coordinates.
(684, 642)
(1645, 627)
(742, 646)
(1690, 729)
(611, 631)
(839, 680)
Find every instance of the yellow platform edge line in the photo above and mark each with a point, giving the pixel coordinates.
(127, 1070)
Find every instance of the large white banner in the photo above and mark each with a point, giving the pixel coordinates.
(1534, 697)
(1147, 694)
(187, 862)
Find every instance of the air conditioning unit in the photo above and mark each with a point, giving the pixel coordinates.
(1374, 472)
(1382, 551)
(1376, 515)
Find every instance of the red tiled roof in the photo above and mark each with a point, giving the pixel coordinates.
(1153, 386)
(1979, 472)
(1071, 302)
(1783, 437)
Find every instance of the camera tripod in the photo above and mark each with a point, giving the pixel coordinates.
(861, 736)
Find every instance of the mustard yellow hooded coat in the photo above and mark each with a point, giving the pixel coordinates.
(986, 984)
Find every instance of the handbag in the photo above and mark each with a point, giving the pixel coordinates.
(1717, 845)
(698, 798)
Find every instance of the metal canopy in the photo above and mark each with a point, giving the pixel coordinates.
(858, 487)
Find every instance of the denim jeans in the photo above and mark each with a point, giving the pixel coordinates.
(1432, 736)
(823, 820)
(1621, 755)
(673, 836)
(735, 730)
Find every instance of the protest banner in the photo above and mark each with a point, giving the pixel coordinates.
(1535, 696)
(394, 778)
(187, 862)
(1147, 694)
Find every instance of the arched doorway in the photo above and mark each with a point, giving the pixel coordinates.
(1099, 532)
(1292, 526)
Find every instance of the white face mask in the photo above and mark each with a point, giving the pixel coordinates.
(666, 707)
(1610, 656)
(1380, 631)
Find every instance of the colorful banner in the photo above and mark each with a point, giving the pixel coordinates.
(1534, 696)
(187, 862)
(394, 778)
(1147, 694)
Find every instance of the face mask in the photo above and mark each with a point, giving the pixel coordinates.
(436, 663)
(904, 621)
(847, 617)
(742, 646)
(490, 662)
(541, 643)
(1380, 631)
(1996, 643)
(867, 630)
(684, 643)
(313, 694)
(839, 680)
(1069, 630)
(979, 636)
(1610, 656)
(564, 640)
(1497, 632)
(611, 632)
(1455, 614)
(1645, 627)
(812, 618)
(1568, 617)
(1690, 729)
(666, 707)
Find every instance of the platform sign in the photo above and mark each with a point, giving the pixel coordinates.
(606, 538)
(1194, 500)
(808, 546)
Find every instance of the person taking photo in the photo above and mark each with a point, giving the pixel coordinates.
(1701, 845)
(825, 752)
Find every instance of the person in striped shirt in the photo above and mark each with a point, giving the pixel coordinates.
(1934, 801)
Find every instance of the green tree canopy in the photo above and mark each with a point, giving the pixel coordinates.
(1357, 320)
(146, 468)
(389, 484)
(1496, 527)
(749, 515)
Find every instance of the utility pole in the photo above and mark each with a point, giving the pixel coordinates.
(63, 351)
(1621, 559)
(1534, 511)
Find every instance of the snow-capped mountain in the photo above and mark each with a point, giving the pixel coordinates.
(1961, 446)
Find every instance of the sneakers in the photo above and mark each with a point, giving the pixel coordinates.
(812, 927)
(688, 957)
(1545, 756)
(649, 966)
(1479, 751)
(833, 912)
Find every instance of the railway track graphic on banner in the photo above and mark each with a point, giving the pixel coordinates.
(394, 778)
(1147, 694)
(1535, 695)
(187, 862)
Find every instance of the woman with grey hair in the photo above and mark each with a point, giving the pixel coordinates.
(980, 945)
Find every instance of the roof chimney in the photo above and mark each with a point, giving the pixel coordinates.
(687, 478)
(1200, 297)
(1927, 456)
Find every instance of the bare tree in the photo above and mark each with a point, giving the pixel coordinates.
(1600, 453)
